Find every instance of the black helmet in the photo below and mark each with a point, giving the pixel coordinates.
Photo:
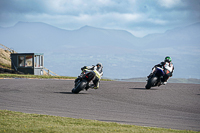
(168, 59)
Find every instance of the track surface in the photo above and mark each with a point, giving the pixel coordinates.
(175, 106)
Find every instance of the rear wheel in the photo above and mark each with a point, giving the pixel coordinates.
(151, 82)
(79, 87)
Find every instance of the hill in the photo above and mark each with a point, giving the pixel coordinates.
(5, 61)
(122, 54)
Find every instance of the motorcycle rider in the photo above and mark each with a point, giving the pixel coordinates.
(98, 69)
(168, 67)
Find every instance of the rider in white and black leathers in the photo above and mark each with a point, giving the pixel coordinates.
(168, 67)
(98, 69)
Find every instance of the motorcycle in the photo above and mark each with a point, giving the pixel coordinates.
(83, 81)
(155, 79)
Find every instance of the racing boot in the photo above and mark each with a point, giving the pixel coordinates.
(96, 86)
(164, 83)
(92, 86)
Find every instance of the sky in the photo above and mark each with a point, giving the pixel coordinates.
(139, 17)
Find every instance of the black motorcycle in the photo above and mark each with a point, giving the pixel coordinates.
(155, 79)
(83, 81)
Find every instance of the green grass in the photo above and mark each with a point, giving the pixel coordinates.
(39, 76)
(34, 76)
(20, 122)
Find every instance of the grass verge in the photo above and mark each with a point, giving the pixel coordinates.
(39, 76)
(21, 122)
(34, 76)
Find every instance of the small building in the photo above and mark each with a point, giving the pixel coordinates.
(28, 63)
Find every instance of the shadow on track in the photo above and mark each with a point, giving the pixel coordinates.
(143, 89)
(138, 88)
(69, 93)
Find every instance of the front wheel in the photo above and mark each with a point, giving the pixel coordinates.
(79, 87)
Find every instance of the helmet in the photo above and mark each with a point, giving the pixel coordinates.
(168, 59)
(99, 65)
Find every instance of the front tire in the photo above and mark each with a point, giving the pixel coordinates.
(148, 85)
(79, 87)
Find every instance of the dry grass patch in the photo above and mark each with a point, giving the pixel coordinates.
(5, 60)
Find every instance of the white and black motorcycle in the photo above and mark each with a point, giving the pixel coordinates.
(83, 81)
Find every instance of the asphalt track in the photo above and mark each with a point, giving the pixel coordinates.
(175, 106)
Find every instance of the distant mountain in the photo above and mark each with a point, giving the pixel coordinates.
(43, 35)
(122, 54)
(182, 36)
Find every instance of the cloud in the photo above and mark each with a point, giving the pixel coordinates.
(169, 3)
(140, 17)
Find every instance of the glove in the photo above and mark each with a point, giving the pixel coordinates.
(93, 67)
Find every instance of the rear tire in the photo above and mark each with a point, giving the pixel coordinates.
(79, 87)
(151, 82)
